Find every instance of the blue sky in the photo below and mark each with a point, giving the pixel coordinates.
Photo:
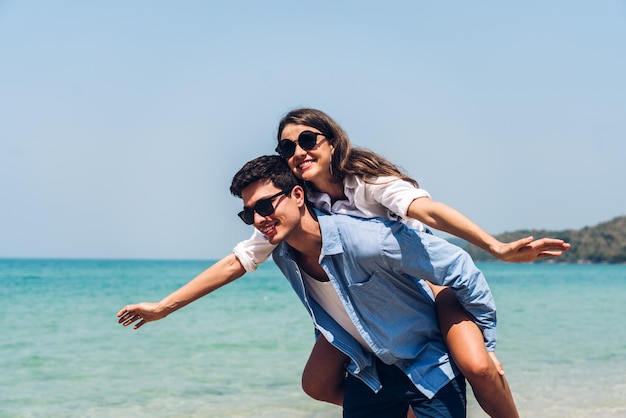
(123, 121)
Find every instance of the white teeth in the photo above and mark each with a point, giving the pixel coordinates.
(267, 229)
(305, 164)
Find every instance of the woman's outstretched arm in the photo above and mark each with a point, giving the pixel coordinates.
(219, 274)
(447, 219)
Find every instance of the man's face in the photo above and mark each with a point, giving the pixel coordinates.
(279, 225)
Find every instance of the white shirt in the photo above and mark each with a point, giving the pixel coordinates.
(386, 197)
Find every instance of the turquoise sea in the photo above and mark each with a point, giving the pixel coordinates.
(239, 352)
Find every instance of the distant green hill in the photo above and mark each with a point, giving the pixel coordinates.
(603, 243)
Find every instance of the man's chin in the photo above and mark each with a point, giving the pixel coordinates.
(273, 239)
(273, 235)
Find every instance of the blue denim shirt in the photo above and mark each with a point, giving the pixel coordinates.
(377, 267)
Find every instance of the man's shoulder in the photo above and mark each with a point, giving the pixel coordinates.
(341, 218)
(344, 223)
(348, 225)
(342, 230)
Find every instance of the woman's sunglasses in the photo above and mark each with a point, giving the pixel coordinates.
(263, 207)
(307, 141)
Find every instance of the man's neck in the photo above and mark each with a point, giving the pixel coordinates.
(307, 244)
(308, 238)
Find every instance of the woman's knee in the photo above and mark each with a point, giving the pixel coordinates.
(478, 368)
(322, 391)
(314, 389)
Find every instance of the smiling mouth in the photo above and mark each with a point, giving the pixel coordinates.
(268, 229)
(305, 164)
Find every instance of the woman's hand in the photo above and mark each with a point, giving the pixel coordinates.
(143, 312)
(528, 249)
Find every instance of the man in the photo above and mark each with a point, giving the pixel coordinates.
(362, 282)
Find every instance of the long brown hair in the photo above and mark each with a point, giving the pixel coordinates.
(346, 159)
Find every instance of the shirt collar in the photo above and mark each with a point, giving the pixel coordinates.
(322, 200)
(350, 182)
(331, 241)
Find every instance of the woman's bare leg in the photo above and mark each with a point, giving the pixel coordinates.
(467, 347)
(324, 375)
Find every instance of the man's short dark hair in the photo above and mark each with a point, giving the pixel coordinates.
(268, 167)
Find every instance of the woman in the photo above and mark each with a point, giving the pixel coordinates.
(343, 179)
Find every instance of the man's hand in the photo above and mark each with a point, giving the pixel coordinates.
(143, 312)
(527, 249)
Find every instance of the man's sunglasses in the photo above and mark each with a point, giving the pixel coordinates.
(307, 141)
(263, 207)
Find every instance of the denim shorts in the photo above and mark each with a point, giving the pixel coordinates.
(397, 393)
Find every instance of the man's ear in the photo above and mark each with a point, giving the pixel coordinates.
(298, 194)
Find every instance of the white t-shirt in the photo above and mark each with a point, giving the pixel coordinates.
(325, 294)
(386, 197)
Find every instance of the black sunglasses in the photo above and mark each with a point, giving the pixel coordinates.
(263, 207)
(307, 141)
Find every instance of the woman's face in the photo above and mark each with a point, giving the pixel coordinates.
(312, 165)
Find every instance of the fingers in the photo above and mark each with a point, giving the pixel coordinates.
(542, 242)
(128, 316)
(516, 246)
(497, 363)
(550, 243)
(500, 369)
(124, 314)
(546, 254)
(522, 242)
(549, 247)
(131, 320)
(541, 248)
